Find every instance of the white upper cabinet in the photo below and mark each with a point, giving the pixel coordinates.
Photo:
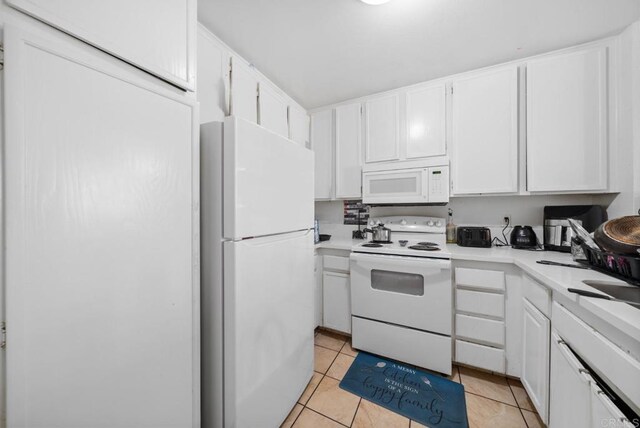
(213, 78)
(567, 122)
(484, 152)
(426, 122)
(244, 91)
(272, 110)
(322, 146)
(382, 120)
(348, 151)
(157, 36)
(299, 125)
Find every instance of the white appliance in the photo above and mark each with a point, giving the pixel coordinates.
(401, 295)
(257, 274)
(413, 182)
(101, 250)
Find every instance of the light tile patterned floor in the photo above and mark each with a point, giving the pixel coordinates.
(493, 401)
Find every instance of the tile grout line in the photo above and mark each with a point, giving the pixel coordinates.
(514, 395)
(330, 348)
(314, 389)
(356, 412)
(332, 361)
(325, 416)
(492, 399)
(525, 419)
(297, 417)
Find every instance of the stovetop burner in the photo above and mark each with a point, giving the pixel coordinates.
(427, 244)
(421, 247)
(380, 242)
(372, 245)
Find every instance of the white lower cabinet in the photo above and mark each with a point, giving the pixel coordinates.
(604, 412)
(480, 320)
(536, 330)
(576, 399)
(570, 390)
(336, 301)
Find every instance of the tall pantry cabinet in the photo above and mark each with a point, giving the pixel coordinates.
(101, 221)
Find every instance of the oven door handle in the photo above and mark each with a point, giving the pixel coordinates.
(399, 261)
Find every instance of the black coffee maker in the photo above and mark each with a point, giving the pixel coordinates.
(523, 238)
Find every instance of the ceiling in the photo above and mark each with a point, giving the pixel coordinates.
(325, 51)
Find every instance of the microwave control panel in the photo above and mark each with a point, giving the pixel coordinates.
(438, 184)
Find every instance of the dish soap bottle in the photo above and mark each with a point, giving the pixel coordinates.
(451, 229)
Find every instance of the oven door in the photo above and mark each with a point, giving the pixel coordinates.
(409, 291)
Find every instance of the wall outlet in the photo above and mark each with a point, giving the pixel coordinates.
(506, 220)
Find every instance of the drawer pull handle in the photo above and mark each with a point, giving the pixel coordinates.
(584, 371)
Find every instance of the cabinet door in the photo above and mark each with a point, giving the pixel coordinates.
(348, 152)
(101, 247)
(336, 301)
(159, 37)
(272, 110)
(567, 122)
(569, 391)
(244, 91)
(484, 152)
(382, 119)
(322, 146)
(213, 78)
(299, 125)
(535, 357)
(426, 113)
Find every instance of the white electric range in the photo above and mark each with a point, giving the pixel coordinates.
(401, 294)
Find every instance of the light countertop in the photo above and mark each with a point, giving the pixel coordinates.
(620, 315)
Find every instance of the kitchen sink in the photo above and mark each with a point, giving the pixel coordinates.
(624, 292)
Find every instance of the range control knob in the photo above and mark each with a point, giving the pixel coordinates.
(430, 223)
(403, 222)
(438, 223)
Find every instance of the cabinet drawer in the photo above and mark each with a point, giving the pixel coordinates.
(477, 302)
(480, 356)
(538, 295)
(600, 353)
(336, 263)
(431, 351)
(480, 329)
(479, 278)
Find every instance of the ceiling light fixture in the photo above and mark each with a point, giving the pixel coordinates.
(374, 2)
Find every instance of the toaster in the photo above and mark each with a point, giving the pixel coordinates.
(469, 236)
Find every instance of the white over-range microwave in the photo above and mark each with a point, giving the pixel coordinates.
(405, 183)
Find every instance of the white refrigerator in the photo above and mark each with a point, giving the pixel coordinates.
(257, 274)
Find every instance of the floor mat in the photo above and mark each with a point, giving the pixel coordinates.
(430, 399)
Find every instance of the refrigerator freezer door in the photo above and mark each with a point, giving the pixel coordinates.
(268, 182)
(268, 296)
(102, 277)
